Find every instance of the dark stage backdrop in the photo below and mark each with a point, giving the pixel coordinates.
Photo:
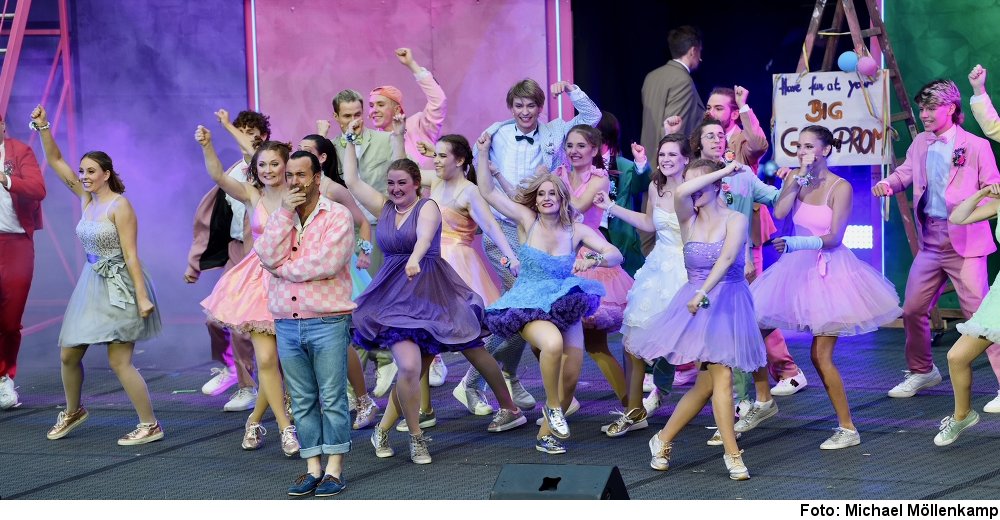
(746, 42)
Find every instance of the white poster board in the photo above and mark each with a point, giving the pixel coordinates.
(853, 107)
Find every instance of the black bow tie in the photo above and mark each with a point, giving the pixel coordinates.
(531, 140)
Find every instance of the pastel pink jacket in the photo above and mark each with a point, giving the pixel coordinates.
(978, 170)
(312, 277)
(426, 124)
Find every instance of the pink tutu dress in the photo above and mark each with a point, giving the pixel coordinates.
(616, 281)
(239, 299)
(828, 292)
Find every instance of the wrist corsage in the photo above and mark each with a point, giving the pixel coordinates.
(363, 246)
(352, 138)
(505, 262)
(804, 180)
(597, 257)
(704, 303)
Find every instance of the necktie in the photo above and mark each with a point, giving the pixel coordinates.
(531, 140)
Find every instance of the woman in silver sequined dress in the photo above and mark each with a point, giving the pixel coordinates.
(113, 301)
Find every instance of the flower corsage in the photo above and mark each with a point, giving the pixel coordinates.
(958, 157)
(729, 195)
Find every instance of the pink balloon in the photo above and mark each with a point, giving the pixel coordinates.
(867, 66)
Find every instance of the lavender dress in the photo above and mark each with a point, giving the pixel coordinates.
(436, 310)
(725, 333)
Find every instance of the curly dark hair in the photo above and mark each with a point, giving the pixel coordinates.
(251, 119)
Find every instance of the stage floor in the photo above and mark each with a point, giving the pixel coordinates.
(200, 458)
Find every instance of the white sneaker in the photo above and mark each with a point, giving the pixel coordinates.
(993, 406)
(756, 415)
(841, 438)
(734, 463)
(222, 380)
(685, 377)
(647, 383)
(743, 407)
(244, 399)
(790, 385)
(651, 402)
(522, 398)
(384, 376)
(8, 394)
(438, 371)
(660, 452)
(915, 382)
(473, 399)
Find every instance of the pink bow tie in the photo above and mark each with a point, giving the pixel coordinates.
(939, 139)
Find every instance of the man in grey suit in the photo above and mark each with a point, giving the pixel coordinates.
(670, 91)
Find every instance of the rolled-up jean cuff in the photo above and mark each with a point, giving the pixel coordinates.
(325, 449)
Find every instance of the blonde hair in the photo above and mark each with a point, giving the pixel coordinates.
(527, 195)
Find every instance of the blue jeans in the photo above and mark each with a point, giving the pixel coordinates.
(663, 376)
(313, 354)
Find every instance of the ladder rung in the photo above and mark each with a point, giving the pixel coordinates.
(901, 116)
(3, 51)
(873, 31)
(7, 16)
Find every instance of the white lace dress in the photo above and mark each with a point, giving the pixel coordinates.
(655, 284)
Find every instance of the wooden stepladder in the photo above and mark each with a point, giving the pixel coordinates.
(845, 10)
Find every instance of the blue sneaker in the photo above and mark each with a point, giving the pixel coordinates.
(330, 486)
(303, 485)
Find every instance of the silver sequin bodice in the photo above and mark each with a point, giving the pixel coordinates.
(99, 238)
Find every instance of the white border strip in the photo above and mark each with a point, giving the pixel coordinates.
(253, 36)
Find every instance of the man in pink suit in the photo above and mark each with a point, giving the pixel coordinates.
(945, 164)
(21, 192)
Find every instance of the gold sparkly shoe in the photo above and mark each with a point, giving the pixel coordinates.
(142, 434)
(66, 422)
(661, 453)
(634, 419)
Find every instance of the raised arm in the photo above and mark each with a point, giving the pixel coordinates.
(342, 196)
(736, 236)
(428, 222)
(234, 188)
(640, 221)
(397, 143)
(683, 204)
(982, 107)
(588, 114)
(972, 210)
(428, 122)
(754, 134)
(244, 141)
(125, 222)
(607, 255)
(789, 192)
(480, 212)
(369, 197)
(52, 154)
(510, 209)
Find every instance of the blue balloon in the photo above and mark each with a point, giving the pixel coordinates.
(770, 167)
(848, 61)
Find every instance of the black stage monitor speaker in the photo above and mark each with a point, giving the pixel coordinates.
(559, 482)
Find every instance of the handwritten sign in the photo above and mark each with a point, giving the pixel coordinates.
(852, 107)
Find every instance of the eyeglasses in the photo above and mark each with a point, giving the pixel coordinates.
(714, 137)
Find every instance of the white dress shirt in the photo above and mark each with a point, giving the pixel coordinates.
(939, 159)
